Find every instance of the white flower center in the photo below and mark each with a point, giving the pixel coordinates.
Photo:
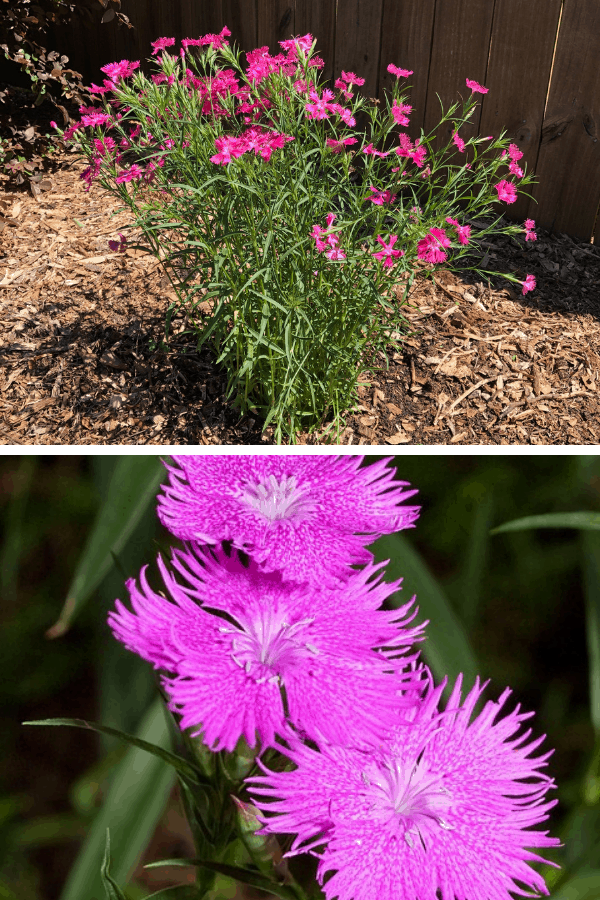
(415, 801)
(266, 645)
(276, 500)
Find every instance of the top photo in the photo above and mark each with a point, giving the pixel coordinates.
(299, 223)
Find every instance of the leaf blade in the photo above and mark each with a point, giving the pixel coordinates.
(135, 800)
(134, 482)
(179, 764)
(113, 891)
(588, 521)
(447, 648)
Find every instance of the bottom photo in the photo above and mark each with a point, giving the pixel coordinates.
(240, 676)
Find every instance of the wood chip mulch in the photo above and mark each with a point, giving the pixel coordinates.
(83, 362)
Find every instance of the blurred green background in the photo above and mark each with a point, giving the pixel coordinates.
(522, 609)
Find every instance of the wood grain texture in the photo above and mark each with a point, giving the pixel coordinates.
(276, 22)
(406, 34)
(198, 19)
(241, 19)
(317, 17)
(460, 49)
(127, 44)
(518, 75)
(508, 45)
(568, 166)
(357, 41)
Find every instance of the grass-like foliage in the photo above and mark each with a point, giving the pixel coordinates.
(282, 229)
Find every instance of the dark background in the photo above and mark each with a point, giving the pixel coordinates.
(519, 596)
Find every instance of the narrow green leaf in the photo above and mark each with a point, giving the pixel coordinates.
(447, 648)
(113, 891)
(589, 521)
(131, 490)
(178, 763)
(179, 892)
(135, 800)
(254, 879)
(175, 861)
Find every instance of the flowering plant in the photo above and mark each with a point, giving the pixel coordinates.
(283, 227)
(301, 702)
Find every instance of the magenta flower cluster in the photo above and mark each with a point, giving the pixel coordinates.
(270, 627)
(265, 598)
(432, 248)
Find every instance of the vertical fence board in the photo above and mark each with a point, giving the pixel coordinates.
(357, 41)
(198, 19)
(317, 17)
(160, 20)
(460, 49)
(505, 44)
(126, 40)
(569, 159)
(517, 76)
(406, 33)
(240, 17)
(276, 22)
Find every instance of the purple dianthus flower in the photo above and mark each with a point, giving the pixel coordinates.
(307, 517)
(441, 811)
(232, 637)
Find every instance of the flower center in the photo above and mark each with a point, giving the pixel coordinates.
(265, 646)
(414, 801)
(276, 500)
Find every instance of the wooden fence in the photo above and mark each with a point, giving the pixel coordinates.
(540, 60)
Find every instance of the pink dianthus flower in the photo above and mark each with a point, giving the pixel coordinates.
(350, 78)
(381, 197)
(399, 111)
(463, 231)
(388, 254)
(399, 73)
(92, 116)
(530, 234)
(514, 153)
(338, 146)
(430, 247)
(342, 86)
(515, 169)
(232, 637)
(320, 106)
(528, 284)
(303, 43)
(442, 810)
(217, 40)
(343, 113)
(308, 517)
(371, 151)
(161, 44)
(118, 70)
(133, 173)
(335, 252)
(476, 88)
(459, 142)
(506, 191)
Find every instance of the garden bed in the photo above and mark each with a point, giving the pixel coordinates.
(82, 359)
